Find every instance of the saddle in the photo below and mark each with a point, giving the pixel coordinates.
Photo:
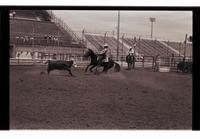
(129, 58)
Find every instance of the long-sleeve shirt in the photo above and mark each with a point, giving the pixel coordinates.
(107, 53)
(131, 52)
(104, 51)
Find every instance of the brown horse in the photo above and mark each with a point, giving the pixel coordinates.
(94, 62)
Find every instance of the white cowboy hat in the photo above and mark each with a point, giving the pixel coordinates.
(105, 45)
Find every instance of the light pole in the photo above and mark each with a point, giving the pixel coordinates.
(122, 50)
(152, 19)
(83, 33)
(33, 47)
(118, 29)
(105, 37)
(185, 47)
(179, 49)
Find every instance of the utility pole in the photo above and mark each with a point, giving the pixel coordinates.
(59, 48)
(185, 47)
(33, 51)
(105, 37)
(118, 29)
(122, 50)
(122, 44)
(179, 49)
(152, 20)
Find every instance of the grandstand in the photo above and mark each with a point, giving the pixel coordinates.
(33, 34)
(39, 34)
(143, 47)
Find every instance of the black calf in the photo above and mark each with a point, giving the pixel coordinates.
(59, 65)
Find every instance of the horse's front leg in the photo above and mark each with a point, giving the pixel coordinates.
(92, 68)
(69, 70)
(87, 67)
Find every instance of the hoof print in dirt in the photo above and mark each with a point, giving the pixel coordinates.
(21, 80)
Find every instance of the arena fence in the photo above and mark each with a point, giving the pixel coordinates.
(146, 62)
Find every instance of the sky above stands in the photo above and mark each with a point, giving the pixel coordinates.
(169, 25)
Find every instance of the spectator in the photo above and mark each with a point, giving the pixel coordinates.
(14, 14)
(172, 60)
(11, 15)
(156, 62)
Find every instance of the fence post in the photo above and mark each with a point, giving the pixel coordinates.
(153, 61)
(18, 57)
(143, 62)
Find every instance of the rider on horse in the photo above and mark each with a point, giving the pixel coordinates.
(130, 58)
(130, 51)
(104, 54)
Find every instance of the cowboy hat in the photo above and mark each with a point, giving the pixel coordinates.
(105, 45)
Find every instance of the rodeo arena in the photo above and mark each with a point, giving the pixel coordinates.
(60, 80)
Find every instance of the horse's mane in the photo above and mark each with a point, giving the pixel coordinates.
(91, 51)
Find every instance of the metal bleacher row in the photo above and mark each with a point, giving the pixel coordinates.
(98, 42)
(150, 47)
(180, 47)
(144, 47)
(43, 33)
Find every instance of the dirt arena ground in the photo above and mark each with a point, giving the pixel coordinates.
(139, 99)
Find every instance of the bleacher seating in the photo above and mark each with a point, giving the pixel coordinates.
(144, 47)
(150, 47)
(43, 32)
(98, 41)
(35, 27)
(180, 47)
(39, 15)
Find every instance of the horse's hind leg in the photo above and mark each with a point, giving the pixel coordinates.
(104, 70)
(70, 72)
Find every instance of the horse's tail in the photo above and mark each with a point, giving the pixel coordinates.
(117, 67)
